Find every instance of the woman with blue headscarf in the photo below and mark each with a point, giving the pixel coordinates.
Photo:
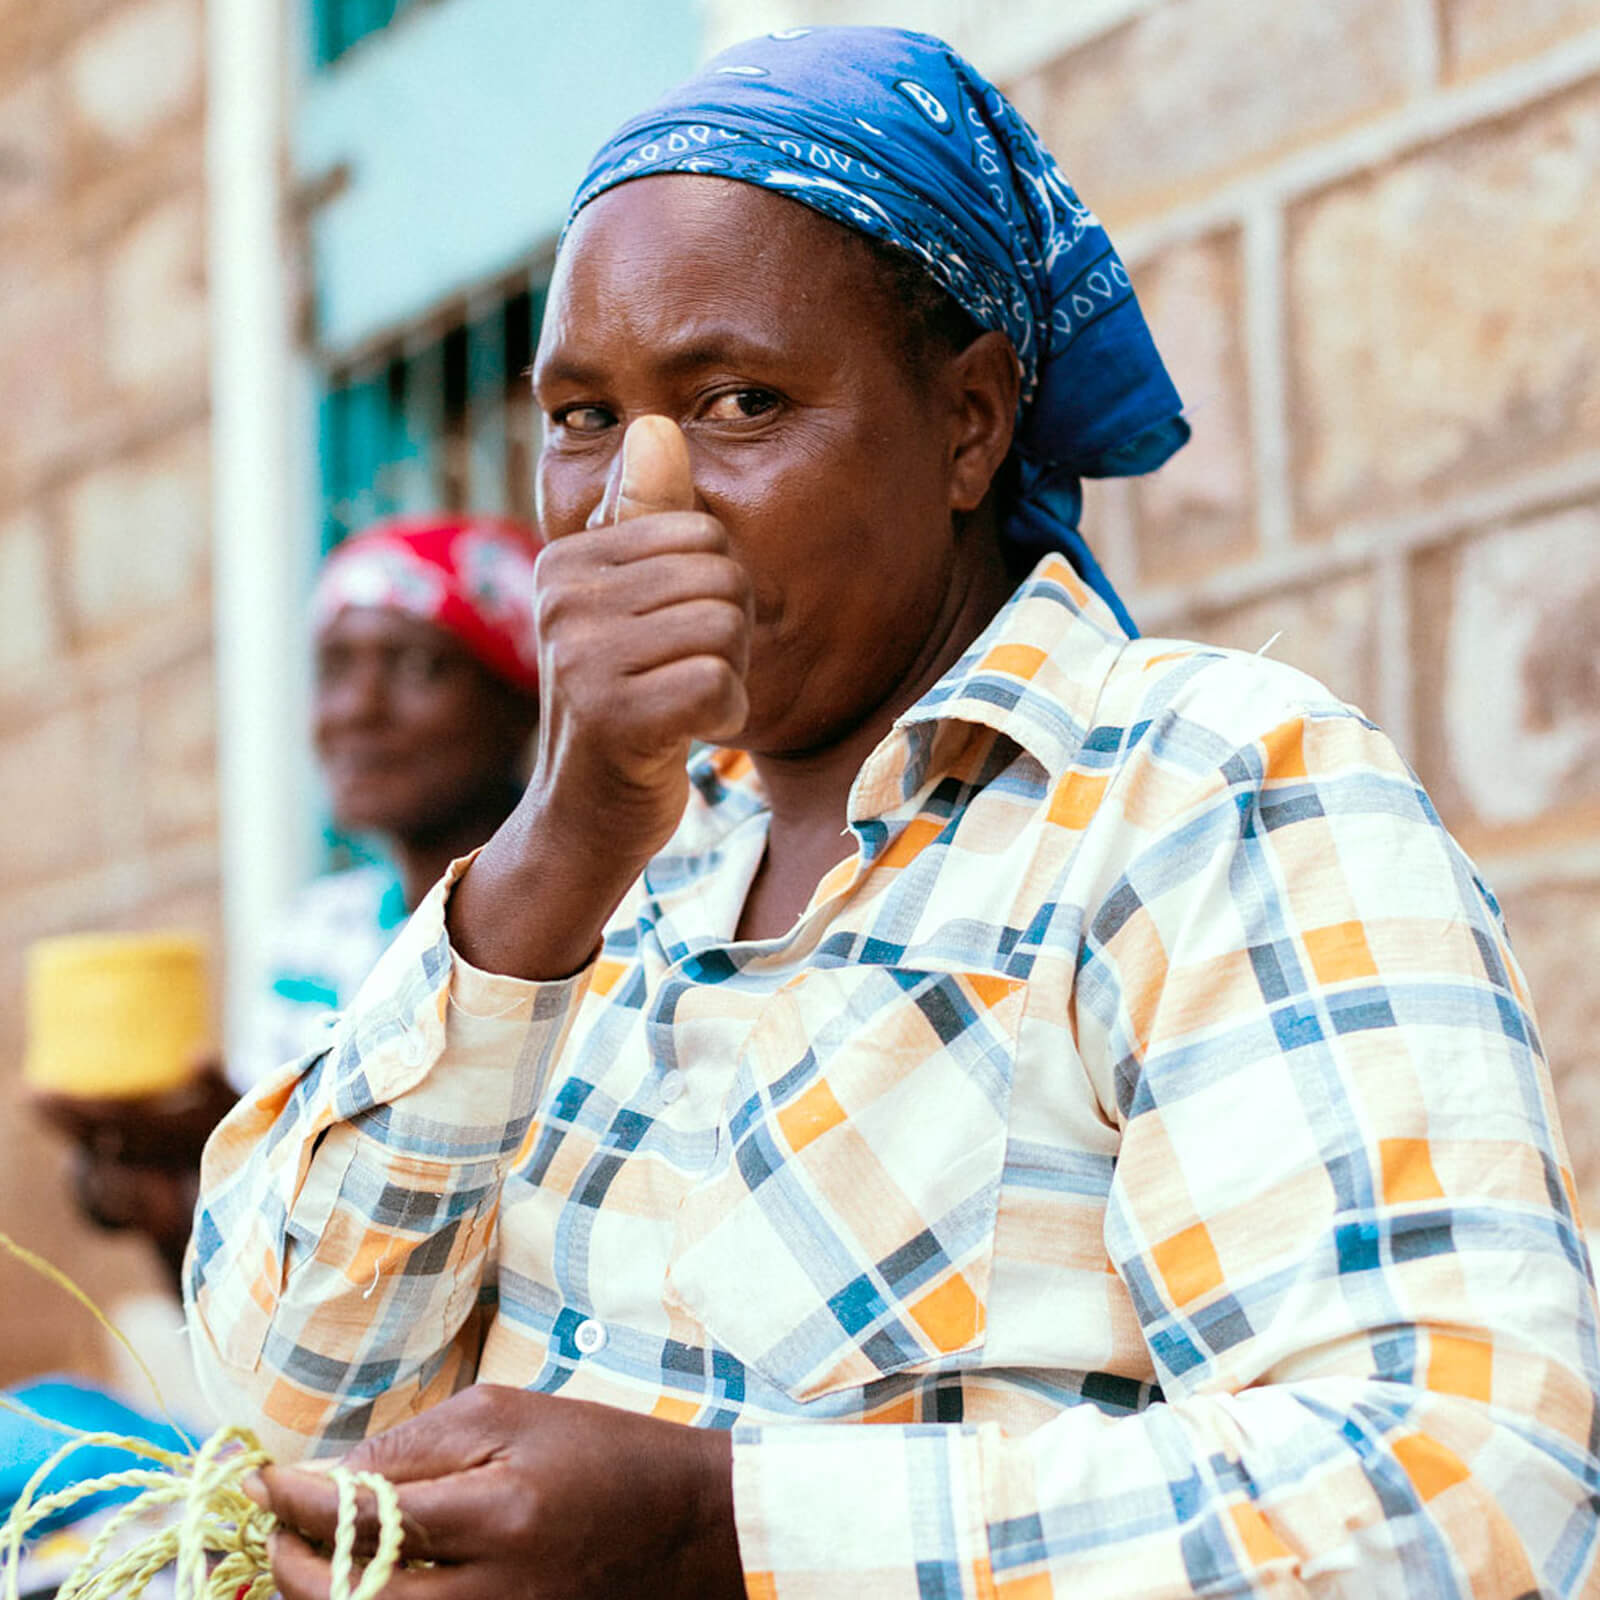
(1072, 1054)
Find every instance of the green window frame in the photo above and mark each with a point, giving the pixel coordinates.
(338, 24)
(441, 421)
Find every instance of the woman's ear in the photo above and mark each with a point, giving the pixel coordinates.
(985, 379)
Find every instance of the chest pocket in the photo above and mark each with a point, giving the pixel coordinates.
(847, 1230)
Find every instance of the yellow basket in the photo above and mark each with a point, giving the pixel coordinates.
(115, 1014)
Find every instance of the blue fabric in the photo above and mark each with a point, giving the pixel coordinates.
(26, 1445)
(896, 136)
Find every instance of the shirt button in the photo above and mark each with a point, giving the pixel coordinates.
(590, 1337)
(672, 1087)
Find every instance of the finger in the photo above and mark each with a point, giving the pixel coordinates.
(691, 628)
(610, 552)
(605, 593)
(445, 1518)
(304, 1512)
(463, 1432)
(448, 1443)
(307, 1502)
(304, 1574)
(589, 656)
(652, 473)
(452, 1519)
(694, 697)
(650, 710)
(300, 1573)
(667, 580)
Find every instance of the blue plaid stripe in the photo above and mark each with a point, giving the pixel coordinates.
(1112, 1133)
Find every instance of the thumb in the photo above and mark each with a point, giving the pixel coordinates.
(652, 473)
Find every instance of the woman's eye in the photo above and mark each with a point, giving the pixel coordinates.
(740, 405)
(582, 419)
(419, 665)
(332, 667)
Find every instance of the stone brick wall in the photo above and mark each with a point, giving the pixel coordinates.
(1368, 239)
(107, 786)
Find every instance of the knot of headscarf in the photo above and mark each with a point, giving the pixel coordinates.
(894, 135)
(470, 575)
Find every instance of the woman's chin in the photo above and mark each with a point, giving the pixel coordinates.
(360, 809)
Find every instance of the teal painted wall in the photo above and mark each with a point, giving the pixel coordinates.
(464, 127)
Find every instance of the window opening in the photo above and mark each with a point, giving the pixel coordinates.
(338, 24)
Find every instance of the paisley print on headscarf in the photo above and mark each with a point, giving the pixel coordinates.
(896, 136)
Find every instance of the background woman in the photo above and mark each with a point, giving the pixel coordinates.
(424, 702)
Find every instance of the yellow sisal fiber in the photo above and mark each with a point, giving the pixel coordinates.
(217, 1543)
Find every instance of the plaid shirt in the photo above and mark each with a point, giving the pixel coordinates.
(1146, 1130)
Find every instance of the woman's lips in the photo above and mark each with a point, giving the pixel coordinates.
(357, 764)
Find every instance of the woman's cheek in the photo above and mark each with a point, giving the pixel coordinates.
(565, 493)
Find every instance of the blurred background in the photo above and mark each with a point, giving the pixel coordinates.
(269, 268)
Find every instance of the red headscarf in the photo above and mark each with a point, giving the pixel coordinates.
(470, 575)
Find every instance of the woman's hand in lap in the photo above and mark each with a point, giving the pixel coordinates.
(519, 1495)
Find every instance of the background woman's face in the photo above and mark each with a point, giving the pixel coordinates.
(762, 329)
(411, 731)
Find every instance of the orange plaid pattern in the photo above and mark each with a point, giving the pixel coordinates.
(1146, 1133)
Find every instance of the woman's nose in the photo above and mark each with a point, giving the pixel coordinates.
(357, 693)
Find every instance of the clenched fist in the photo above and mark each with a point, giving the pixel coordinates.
(644, 632)
(644, 636)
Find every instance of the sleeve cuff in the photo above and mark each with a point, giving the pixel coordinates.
(840, 1510)
(451, 1058)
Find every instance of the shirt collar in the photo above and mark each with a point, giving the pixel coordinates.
(1034, 675)
(1036, 672)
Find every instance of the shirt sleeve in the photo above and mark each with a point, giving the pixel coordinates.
(336, 1274)
(1341, 1208)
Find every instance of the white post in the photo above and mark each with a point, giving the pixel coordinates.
(257, 505)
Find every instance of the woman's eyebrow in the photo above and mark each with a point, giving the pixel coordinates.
(715, 345)
(691, 349)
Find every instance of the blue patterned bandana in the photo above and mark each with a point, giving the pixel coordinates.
(894, 135)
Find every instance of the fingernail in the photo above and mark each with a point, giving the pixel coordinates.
(255, 1487)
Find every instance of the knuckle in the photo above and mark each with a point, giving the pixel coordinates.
(724, 628)
(735, 583)
(698, 531)
(550, 605)
(716, 535)
(560, 655)
(477, 1404)
(549, 564)
(708, 678)
(523, 1514)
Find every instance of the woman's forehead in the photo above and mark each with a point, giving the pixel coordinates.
(703, 224)
(686, 250)
(383, 625)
